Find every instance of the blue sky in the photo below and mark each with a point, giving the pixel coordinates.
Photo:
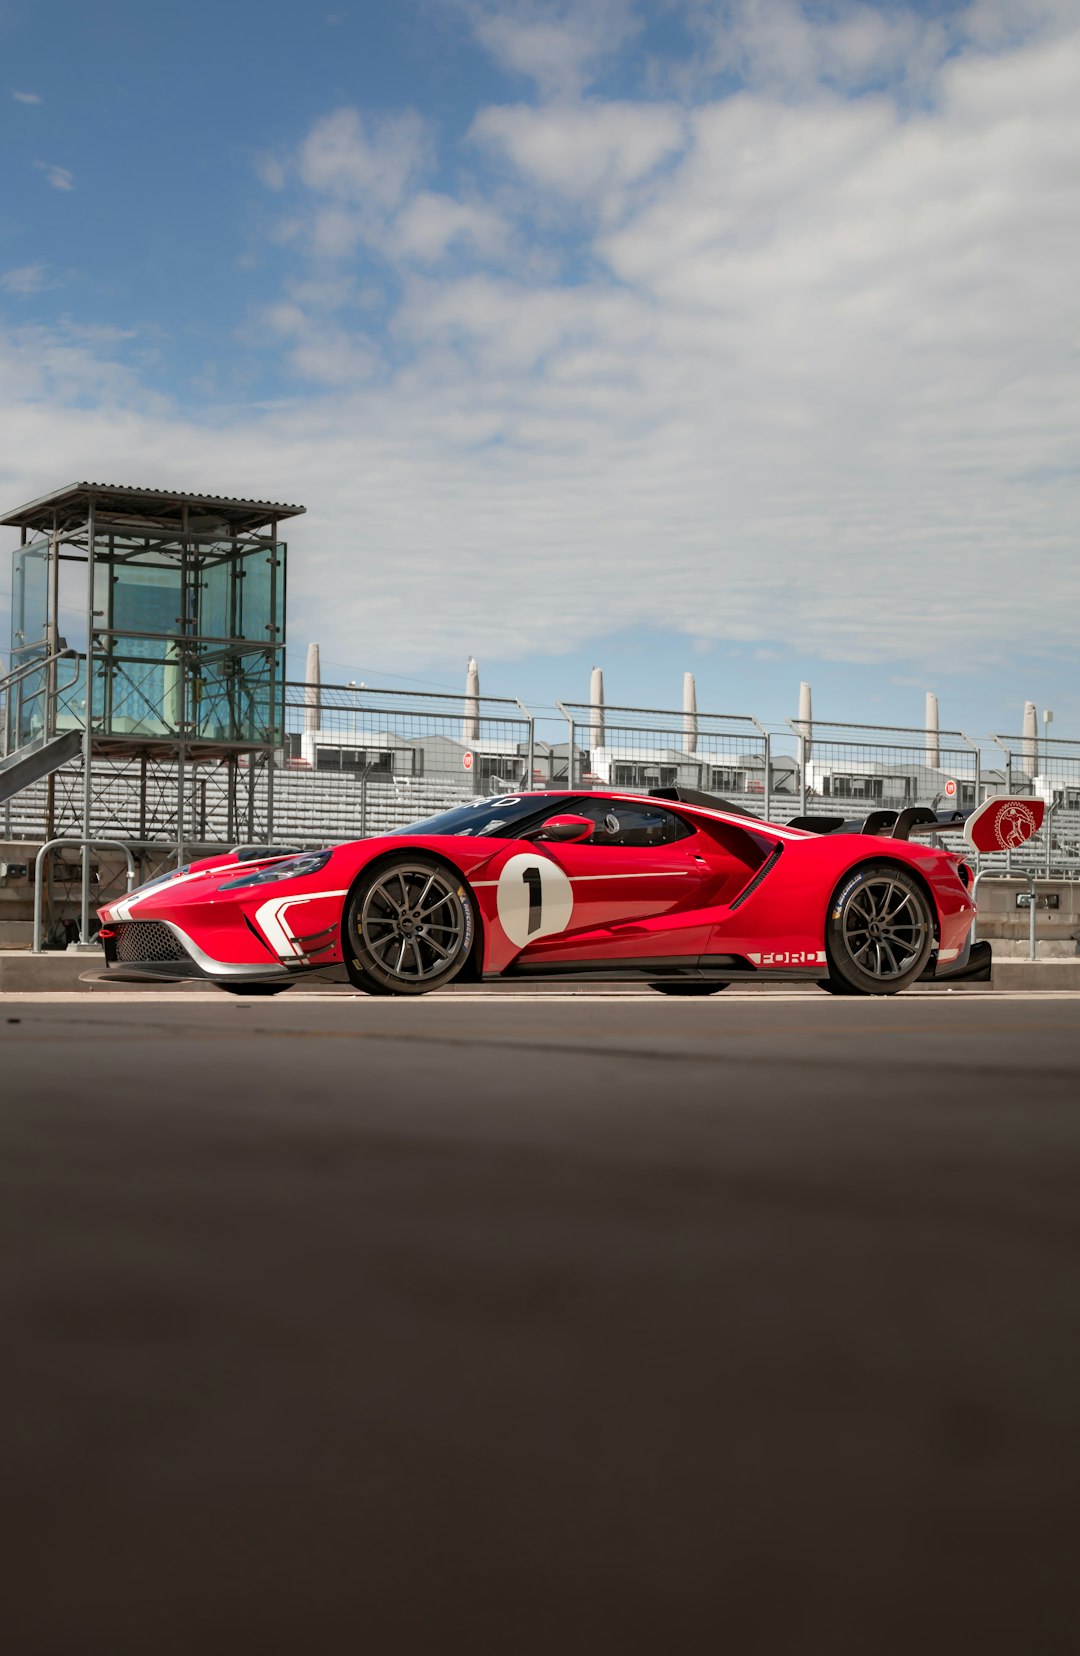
(736, 338)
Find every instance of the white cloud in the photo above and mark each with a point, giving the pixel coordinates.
(271, 172)
(429, 224)
(24, 279)
(26, 97)
(367, 163)
(318, 347)
(579, 149)
(559, 44)
(59, 177)
(814, 383)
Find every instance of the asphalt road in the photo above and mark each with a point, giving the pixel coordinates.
(539, 1325)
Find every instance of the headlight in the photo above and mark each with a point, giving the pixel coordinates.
(292, 868)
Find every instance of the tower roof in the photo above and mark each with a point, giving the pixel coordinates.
(160, 507)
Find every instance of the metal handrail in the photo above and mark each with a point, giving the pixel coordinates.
(1006, 874)
(85, 845)
(36, 666)
(52, 692)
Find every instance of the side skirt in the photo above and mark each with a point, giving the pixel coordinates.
(692, 968)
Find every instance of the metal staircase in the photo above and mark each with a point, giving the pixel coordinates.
(30, 763)
(45, 753)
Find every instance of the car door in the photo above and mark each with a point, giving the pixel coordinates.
(635, 886)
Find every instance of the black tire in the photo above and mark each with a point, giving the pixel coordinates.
(254, 988)
(408, 927)
(880, 931)
(833, 986)
(688, 987)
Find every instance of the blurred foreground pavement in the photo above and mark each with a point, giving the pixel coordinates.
(520, 1326)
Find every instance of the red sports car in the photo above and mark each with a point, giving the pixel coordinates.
(673, 889)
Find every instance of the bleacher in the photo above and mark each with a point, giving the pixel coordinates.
(310, 807)
(313, 807)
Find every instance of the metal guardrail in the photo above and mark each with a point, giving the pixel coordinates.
(86, 845)
(360, 759)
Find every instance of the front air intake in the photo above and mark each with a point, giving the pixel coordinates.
(147, 942)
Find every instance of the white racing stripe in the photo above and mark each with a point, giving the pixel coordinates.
(122, 910)
(270, 917)
(577, 879)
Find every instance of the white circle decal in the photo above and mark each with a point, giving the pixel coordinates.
(535, 899)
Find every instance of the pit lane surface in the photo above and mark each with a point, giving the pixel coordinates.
(540, 1323)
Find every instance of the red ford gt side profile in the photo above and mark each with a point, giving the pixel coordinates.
(675, 890)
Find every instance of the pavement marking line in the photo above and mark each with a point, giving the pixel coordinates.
(62, 997)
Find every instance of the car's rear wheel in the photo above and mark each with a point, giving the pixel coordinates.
(688, 987)
(408, 927)
(879, 933)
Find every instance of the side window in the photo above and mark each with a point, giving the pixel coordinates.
(621, 822)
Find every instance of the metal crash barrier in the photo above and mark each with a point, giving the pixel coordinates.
(85, 846)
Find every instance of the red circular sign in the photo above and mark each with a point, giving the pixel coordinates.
(466, 761)
(950, 789)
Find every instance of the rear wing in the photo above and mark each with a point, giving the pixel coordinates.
(1000, 824)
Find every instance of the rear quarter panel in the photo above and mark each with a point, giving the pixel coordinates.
(784, 920)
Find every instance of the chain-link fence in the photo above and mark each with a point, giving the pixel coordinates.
(852, 769)
(638, 748)
(359, 760)
(1048, 768)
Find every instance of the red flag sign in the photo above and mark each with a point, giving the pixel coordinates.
(1004, 824)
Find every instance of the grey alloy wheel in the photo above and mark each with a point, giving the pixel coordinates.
(408, 927)
(880, 931)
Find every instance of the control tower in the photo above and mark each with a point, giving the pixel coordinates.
(146, 668)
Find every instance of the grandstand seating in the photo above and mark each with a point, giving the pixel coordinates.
(316, 807)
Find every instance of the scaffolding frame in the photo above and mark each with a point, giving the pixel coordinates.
(209, 700)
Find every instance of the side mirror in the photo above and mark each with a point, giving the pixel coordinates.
(566, 829)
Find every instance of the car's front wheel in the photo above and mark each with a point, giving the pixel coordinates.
(879, 933)
(408, 927)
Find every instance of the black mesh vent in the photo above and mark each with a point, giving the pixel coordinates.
(766, 868)
(147, 940)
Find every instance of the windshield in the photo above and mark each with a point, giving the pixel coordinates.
(497, 818)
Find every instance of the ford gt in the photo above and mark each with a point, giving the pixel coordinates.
(674, 889)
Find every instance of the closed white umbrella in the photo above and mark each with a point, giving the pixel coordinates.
(470, 727)
(1029, 752)
(596, 708)
(690, 720)
(933, 745)
(312, 682)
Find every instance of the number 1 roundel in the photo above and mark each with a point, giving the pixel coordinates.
(534, 897)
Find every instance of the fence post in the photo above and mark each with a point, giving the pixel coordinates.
(766, 749)
(530, 758)
(569, 717)
(88, 733)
